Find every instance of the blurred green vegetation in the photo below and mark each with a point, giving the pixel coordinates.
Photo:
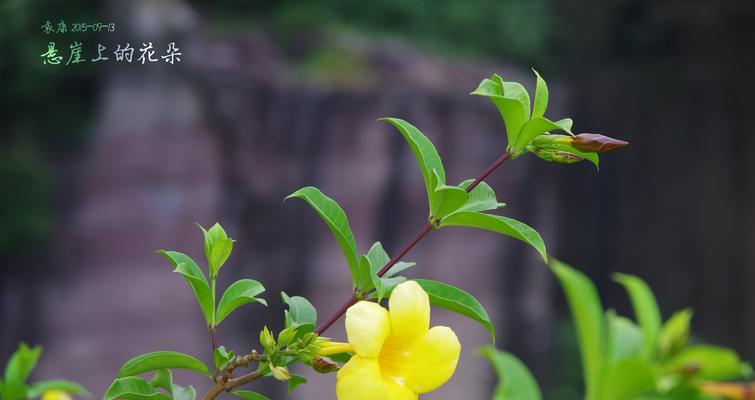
(492, 29)
(44, 111)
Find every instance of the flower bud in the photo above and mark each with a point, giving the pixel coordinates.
(266, 339)
(324, 365)
(55, 394)
(555, 155)
(594, 143)
(280, 373)
(285, 337)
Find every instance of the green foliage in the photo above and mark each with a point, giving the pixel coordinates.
(334, 216)
(241, 292)
(196, 280)
(162, 360)
(454, 299)
(627, 360)
(300, 314)
(14, 385)
(515, 381)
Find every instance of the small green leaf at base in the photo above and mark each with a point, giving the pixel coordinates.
(294, 382)
(162, 360)
(456, 300)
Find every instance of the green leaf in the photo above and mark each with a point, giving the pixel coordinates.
(710, 362)
(372, 263)
(21, 363)
(426, 155)
(300, 312)
(336, 219)
(212, 235)
(587, 313)
(133, 388)
(162, 360)
(512, 110)
(222, 357)
(245, 394)
(624, 339)
(37, 388)
(458, 301)
(446, 199)
(183, 393)
(534, 128)
(500, 224)
(675, 333)
(241, 292)
(163, 379)
(515, 381)
(481, 198)
(541, 97)
(627, 379)
(196, 280)
(645, 310)
(295, 381)
(219, 254)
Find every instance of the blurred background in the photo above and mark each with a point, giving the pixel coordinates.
(103, 163)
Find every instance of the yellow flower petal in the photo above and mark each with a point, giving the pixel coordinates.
(55, 395)
(409, 308)
(395, 391)
(432, 360)
(360, 379)
(367, 326)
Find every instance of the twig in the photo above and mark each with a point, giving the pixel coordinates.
(408, 246)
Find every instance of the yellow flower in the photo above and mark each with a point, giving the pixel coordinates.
(396, 356)
(55, 395)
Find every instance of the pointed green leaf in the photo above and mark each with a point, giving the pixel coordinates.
(163, 379)
(458, 301)
(534, 128)
(515, 381)
(295, 381)
(587, 313)
(239, 293)
(184, 393)
(300, 312)
(162, 360)
(372, 263)
(515, 90)
(245, 394)
(512, 110)
(398, 267)
(675, 333)
(541, 96)
(645, 311)
(222, 357)
(624, 339)
(36, 389)
(481, 198)
(196, 280)
(21, 363)
(500, 224)
(212, 235)
(426, 155)
(336, 219)
(219, 254)
(446, 199)
(133, 388)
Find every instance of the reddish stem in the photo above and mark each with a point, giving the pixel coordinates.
(408, 246)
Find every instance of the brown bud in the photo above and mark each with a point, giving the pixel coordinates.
(594, 143)
(324, 365)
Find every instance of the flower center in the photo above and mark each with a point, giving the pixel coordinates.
(393, 359)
